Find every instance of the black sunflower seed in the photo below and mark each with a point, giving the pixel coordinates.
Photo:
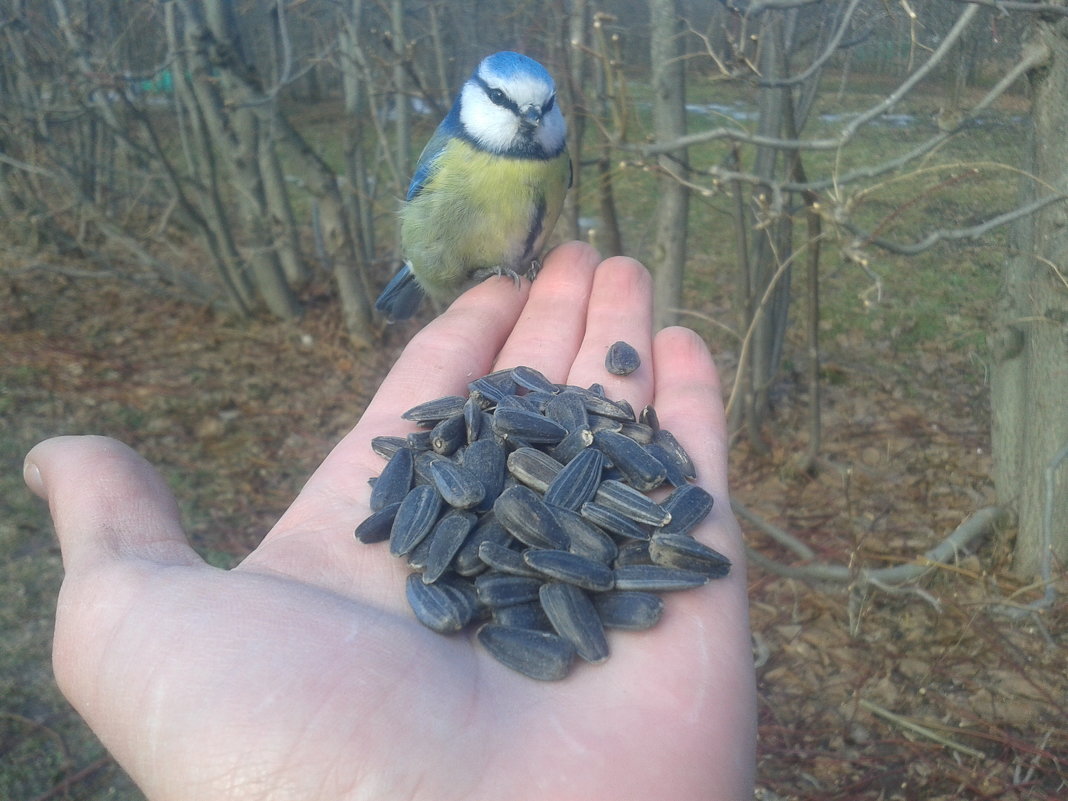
(683, 551)
(622, 359)
(575, 619)
(414, 520)
(540, 655)
(571, 568)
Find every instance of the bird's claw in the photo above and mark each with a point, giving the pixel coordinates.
(506, 271)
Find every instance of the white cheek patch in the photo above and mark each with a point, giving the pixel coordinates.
(492, 126)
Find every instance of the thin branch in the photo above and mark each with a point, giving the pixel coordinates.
(847, 133)
(822, 58)
(1033, 55)
(979, 524)
(923, 731)
(1004, 6)
(760, 6)
(743, 356)
(780, 535)
(951, 234)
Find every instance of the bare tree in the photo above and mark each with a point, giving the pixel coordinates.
(669, 123)
(782, 47)
(1029, 391)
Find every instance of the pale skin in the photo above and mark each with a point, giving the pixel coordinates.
(301, 674)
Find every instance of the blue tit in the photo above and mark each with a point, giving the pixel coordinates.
(488, 187)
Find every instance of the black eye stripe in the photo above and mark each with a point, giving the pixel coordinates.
(549, 105)
(497, 97)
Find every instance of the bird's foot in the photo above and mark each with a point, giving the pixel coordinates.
(535, 268)
(507, 271)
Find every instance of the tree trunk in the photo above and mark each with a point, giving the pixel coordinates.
(1029, 392)
(669, 123)
(771, 236)
(574, 82)
(241, 141)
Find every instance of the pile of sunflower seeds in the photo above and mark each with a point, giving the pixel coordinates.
(523, 506)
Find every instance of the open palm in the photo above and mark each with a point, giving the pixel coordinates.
(301, 674)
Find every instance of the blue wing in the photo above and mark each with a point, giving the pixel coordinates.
(403, 295)
(448, 129)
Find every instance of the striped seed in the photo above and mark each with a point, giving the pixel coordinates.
(575, 619)
(415, 518)
(538, 654)
(571, 568)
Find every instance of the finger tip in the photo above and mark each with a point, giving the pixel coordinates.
(573, 252)
(683, 351)
(626, 269)
(105, 498)
(38, 462)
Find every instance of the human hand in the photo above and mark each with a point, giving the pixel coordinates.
(302, 674)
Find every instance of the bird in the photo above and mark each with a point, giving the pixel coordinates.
(487, 189)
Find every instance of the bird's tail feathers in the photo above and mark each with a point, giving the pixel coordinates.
(402, 295)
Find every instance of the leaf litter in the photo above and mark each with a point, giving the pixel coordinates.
(237, 416)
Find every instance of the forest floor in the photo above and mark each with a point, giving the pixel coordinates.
(926, 695)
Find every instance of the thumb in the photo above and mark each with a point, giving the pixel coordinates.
(107, 504)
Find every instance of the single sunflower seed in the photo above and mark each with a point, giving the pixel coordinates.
(529, 519)
(533, 468)
(688, 506)
(628, 609)
(643, 470)
(377, 526)
(540, 655)
(445, 540)
(387, 446)
(502, 558)
(449, 435)
(533, 380)
(522, 424)
(626, 500)
(414, 519)
(528, 615)
(656, 578)
(394, 481)
(440, 607)
(612, 521)
(502, 589)
(571, 568)
(575, 619)
(485, 459)
(460, 487)
(432, 411)
(622, 359)
(577, 481)
(567, 409)
(683, 551)
(585, 538)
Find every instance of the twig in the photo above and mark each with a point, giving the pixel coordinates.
(980, 523)
(64, 785)
(847, 133)
(822, 58)
(781, 536)
(952, 234)
(923, 731)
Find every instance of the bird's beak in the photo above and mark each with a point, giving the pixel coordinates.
(530, 117)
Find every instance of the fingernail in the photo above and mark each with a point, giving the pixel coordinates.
(31, 474)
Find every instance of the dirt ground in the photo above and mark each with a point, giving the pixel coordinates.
(931, 695)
